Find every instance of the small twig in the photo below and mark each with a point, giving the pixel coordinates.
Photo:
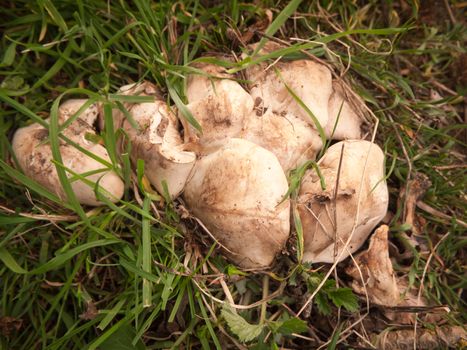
(242, 307)
(45, 217)
(451, 14)
(449, 167)
(425, 207)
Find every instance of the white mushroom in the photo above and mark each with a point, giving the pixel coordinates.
(236, 191)
(310, 81)
(289, 138)
(158, 142)
(220, 105)
(32, 149)
(344, 122)
(328, 219)
(144, 88)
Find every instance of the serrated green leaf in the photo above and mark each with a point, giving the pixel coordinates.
(344, 297)
(292, 325)
(239, 326)
(322, 303)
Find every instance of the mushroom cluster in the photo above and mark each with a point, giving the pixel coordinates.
(233, 175)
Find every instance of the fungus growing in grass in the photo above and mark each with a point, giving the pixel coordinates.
(352, 204)
(289, 138)
(237, 191)
(158, 142)
(344, 122)
(310, 81)
(219, 104)
(232, 174)
(34, 154)
(144, 88)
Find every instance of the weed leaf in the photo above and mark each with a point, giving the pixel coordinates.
(240, 327)
(292, 325)
(344, 297)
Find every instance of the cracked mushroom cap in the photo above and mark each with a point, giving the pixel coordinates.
(158, 142)
(289, 138)
(328, 219)
(236, 191)
(344, 122)
(32, 149)
(219, 104)
(309, 80)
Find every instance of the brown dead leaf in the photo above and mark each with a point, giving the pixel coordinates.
(90, 313)
(408, 131)
(8, 325)
(245, 37)
(376, 269)
(382, 286)
(440, 338)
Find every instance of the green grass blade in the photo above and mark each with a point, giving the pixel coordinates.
(147, 254)
(55, 68)
(186, 113)
(111, 315)
(278, 23)
(54, 14)
(55, 146)
(60, 259)
(10, 262)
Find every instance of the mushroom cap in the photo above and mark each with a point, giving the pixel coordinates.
(159, 144)
(68, 108)
(236, 191)
(144, 88)
(220, 105)
(348, 125)
(200, 85)
(289, 138)
(323, 242)
(309, 80)
(32, 149)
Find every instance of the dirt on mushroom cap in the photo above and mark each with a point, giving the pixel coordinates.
(328, 216)
(219, 104)
(236, 192)
(32, 149)
(310, 81)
